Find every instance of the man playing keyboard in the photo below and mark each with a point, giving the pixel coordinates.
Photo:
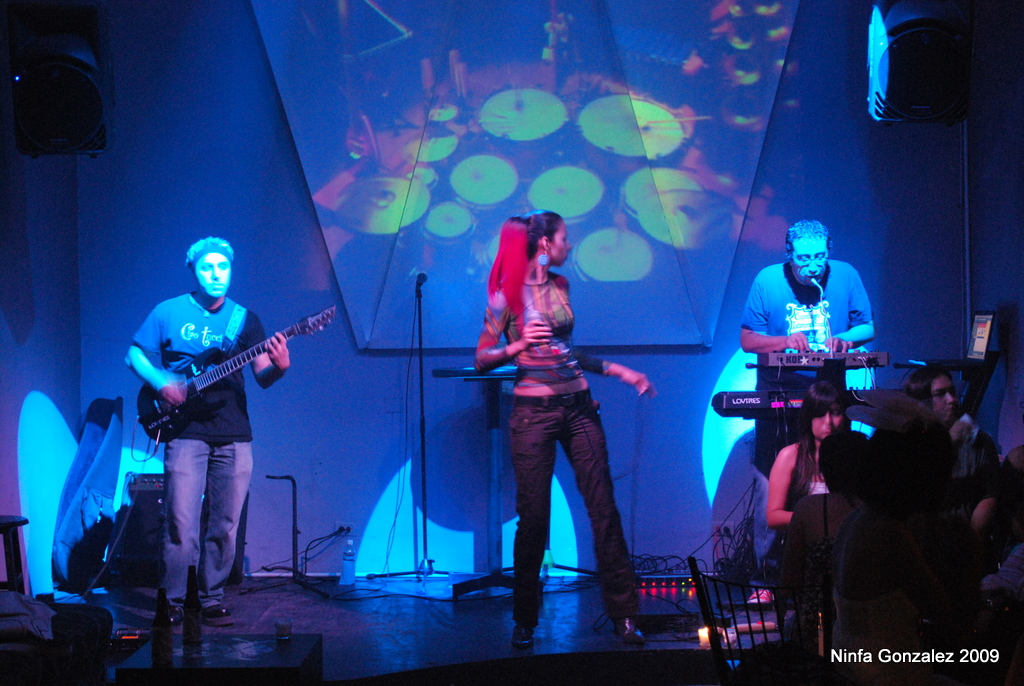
(808, 303)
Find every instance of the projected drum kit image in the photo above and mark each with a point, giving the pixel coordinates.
(495, 143)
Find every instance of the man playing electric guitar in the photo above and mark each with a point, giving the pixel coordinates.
(212, 454)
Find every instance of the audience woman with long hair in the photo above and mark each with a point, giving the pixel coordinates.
(807, 561)
(795, 473)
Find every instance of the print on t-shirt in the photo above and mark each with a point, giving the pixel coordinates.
(189, 333)
(810, 320)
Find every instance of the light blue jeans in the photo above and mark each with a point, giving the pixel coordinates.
(201, 530)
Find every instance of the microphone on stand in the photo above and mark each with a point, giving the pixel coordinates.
(426, 563)
(821, 290)
(821, 298)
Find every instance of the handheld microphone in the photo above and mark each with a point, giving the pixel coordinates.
(421, 279)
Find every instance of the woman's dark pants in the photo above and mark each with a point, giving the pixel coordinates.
(577, 426)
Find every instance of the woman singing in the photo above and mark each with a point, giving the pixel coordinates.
(530, 306)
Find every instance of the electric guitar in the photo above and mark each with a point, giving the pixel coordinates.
(163, 422)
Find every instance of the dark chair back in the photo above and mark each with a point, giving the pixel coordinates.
(783, 640)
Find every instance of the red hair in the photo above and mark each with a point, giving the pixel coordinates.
(508, 273)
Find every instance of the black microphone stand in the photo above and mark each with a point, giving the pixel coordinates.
(426, 565)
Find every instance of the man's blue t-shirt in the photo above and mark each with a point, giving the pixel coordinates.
(779, 305)
(178, 331)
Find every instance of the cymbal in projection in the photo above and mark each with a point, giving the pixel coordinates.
(433, 149)
(613, 254)
(448, 220)
(382, 205)
(484, 180)
(631, 127)
(425, 174)
(443, 112)
(659, 199)
(522, 114)
(569, 191)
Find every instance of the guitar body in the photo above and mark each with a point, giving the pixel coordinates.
(164, 422)
(159, 419)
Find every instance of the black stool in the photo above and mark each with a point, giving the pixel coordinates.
(12, 551)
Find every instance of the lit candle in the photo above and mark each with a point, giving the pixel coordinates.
(705, 639)
(821, 636)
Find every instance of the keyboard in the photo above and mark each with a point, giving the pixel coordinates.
(871, 358)
(756, 404)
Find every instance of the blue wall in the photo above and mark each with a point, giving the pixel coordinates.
(996, 210)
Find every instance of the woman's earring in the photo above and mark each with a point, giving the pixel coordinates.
(543, 260)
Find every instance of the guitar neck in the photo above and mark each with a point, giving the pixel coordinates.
(232, 365)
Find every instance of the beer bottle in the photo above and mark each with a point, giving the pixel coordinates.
(160, 637)
(192, 628)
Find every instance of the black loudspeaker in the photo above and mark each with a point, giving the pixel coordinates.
(135, 542)
(919, 58)
(138, 529)
(60, 82)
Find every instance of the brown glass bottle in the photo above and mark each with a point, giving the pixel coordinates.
(192, 627)
(160, 637)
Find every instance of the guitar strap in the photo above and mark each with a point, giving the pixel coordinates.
(235, 323)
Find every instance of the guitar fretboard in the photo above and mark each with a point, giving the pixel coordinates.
(211, 376)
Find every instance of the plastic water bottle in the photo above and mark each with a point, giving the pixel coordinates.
(545, 572)
(348, 565)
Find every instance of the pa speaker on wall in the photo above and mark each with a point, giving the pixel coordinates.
(919, 58)
(60, 82)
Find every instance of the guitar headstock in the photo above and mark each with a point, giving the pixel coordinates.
(316, 322)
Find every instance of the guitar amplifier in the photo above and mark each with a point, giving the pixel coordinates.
(134, 550)
(135, 542)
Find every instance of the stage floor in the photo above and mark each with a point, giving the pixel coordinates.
(408, 631)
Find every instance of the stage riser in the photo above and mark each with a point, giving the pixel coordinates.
(226, 660)
(623, 667)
